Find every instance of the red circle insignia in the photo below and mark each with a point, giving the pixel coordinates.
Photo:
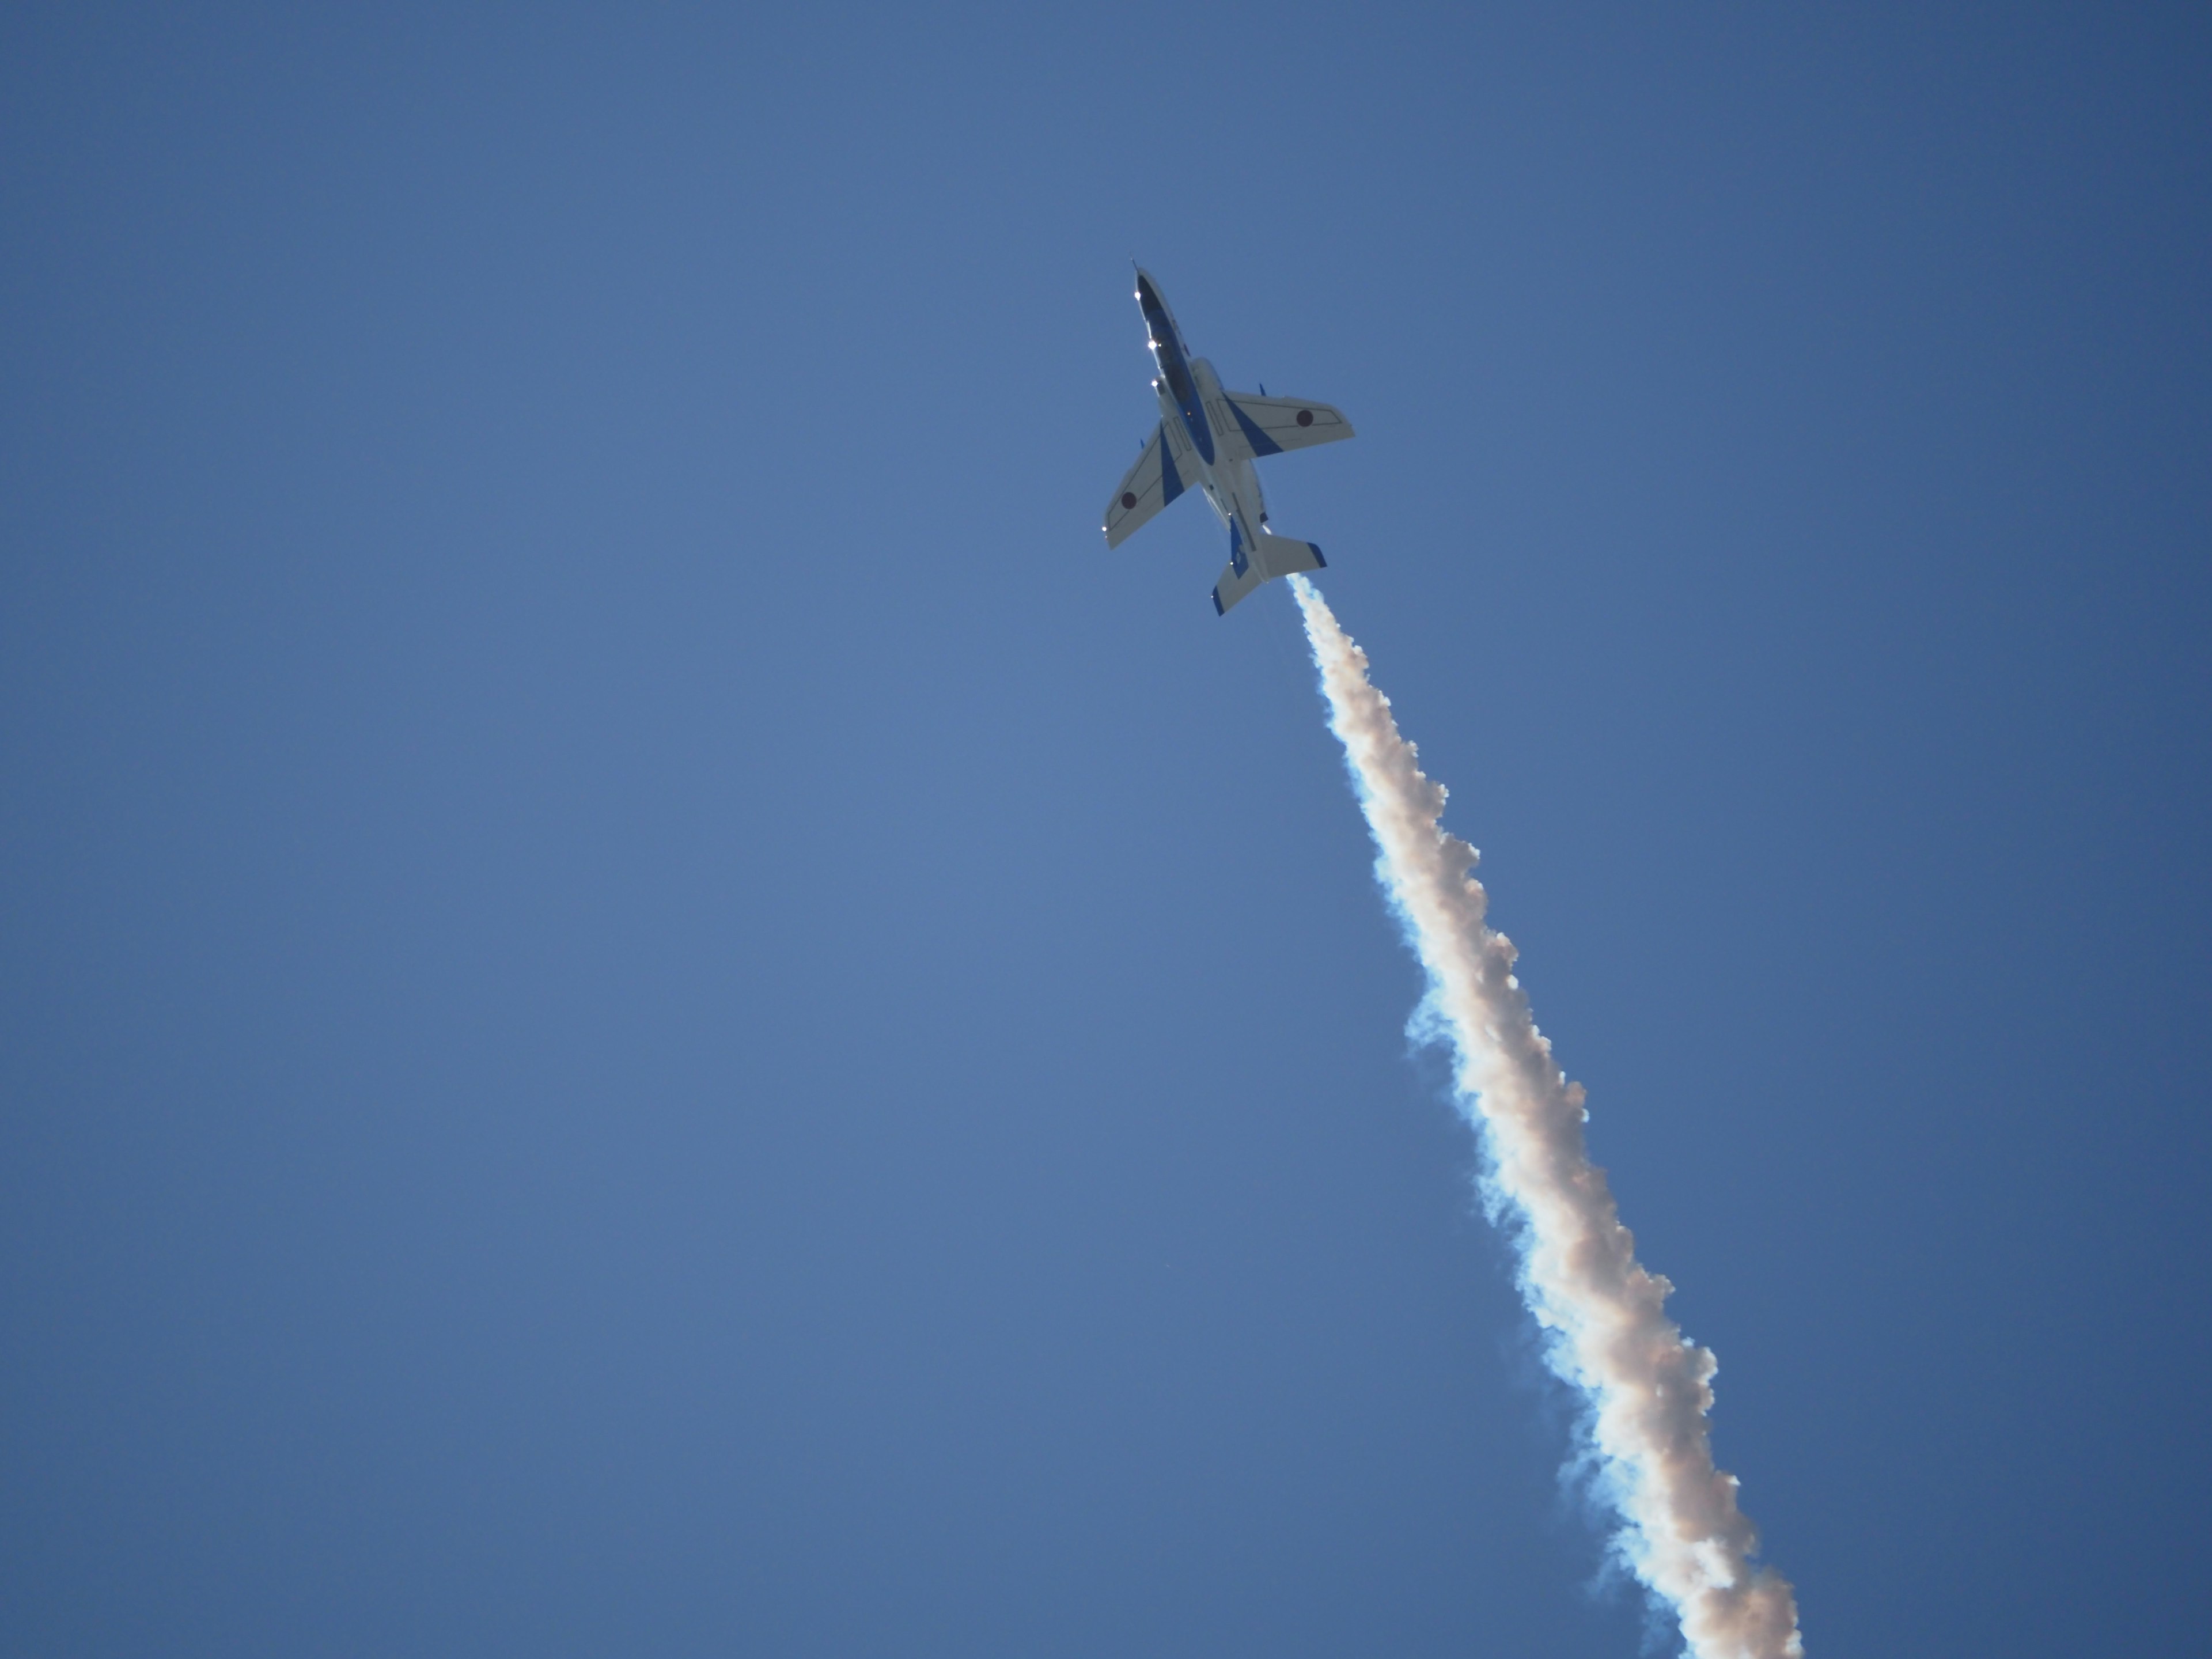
(1127, 501)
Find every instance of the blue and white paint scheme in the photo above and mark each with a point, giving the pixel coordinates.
(1210, 438)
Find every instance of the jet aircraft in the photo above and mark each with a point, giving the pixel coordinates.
(1210, 438)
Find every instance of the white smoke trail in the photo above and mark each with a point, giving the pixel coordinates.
(1647, 1390)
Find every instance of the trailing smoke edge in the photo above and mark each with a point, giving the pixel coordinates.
(1644, 1388)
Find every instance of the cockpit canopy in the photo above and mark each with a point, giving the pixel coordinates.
(1167, 343)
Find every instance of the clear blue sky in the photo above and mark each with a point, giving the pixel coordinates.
(648, 1006)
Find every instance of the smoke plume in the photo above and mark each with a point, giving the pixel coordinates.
(1646, 1390)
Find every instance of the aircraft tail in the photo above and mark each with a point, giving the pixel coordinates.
(1270, 556)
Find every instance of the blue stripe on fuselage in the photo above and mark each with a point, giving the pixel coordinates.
(1168, 349)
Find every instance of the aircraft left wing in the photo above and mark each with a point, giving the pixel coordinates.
(1251, 426)
(1150, 485)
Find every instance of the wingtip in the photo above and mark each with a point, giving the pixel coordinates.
(1217, 610)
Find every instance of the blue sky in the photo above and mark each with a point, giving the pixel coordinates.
(646, 1005)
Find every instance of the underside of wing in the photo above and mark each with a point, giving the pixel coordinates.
(1257, 426)
(1150, 485)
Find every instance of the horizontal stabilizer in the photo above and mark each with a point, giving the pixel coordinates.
(1271, 556)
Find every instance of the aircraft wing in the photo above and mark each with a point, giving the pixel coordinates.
(1150, 485)
(1251, 426)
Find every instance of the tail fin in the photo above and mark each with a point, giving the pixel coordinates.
(1271, 556)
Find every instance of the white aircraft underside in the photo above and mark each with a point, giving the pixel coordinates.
(1210, 438)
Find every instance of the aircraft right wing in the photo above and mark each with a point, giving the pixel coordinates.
(1150, 485)
(1257, 426)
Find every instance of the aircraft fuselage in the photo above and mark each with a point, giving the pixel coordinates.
(1186, 387)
